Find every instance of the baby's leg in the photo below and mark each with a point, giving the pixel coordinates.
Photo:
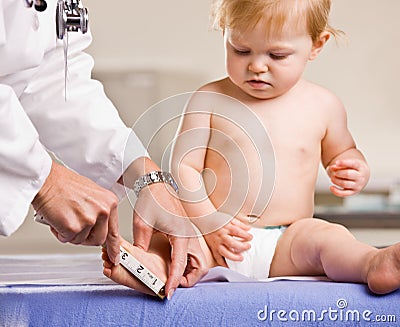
(384, 270)
(316, 247)
(157, 260)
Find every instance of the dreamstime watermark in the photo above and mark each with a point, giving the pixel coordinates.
(340, 313)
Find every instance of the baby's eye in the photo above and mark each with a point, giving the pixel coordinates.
(278, 56)
(241, 52)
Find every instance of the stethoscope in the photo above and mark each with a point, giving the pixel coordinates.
(71, 16)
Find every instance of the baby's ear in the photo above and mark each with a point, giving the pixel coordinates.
(319, 44)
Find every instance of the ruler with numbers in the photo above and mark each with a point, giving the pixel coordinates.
(136, 268)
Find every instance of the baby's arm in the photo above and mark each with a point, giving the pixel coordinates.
(344, 163)
(229, 241)
(349, 173)
(225, 237)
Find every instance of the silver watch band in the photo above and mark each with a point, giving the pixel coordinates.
(154, 177)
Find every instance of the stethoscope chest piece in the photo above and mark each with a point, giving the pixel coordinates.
(71, 16)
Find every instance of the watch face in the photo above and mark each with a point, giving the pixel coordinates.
(154, 176)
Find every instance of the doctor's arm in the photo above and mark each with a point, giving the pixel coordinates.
(86, 133)
(71, 203)
(78, 210)
(158, 208)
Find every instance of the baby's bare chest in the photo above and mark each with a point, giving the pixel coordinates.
(293, 137)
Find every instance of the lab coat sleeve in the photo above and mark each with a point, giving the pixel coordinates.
(84, 131)
(24, 163)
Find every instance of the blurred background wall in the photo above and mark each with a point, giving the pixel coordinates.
(174, 41)
(146, 51)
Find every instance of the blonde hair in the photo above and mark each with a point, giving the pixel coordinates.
(246, 14)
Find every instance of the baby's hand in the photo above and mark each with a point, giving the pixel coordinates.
(229, 241)
(349, 176)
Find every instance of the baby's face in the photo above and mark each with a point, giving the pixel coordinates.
(263, 65)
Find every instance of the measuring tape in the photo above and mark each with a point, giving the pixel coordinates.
(130, 263)
(136, 268)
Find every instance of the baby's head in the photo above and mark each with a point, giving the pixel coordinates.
(277, 15)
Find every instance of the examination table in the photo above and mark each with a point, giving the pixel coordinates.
(69, 290)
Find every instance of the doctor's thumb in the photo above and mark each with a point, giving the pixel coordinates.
(113, 240)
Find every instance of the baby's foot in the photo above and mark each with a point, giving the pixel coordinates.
(156, 260)
(384, 272)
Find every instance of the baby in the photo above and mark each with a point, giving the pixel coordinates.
(270, 232)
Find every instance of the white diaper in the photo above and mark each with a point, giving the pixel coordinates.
(257, 260)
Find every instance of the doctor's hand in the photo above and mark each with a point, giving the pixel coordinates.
(78, 210)
(349, 176)
(229, 241)
(157, 209)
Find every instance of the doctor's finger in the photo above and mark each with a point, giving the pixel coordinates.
(112, 240)
(57, 234)
(67, 236)
(179, 257)
(98, 232)
(82, 237)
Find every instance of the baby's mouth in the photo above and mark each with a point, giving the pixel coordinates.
(258, 83)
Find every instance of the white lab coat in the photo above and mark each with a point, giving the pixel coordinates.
(84, 132)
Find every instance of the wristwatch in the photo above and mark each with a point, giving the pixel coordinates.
(154, 177)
